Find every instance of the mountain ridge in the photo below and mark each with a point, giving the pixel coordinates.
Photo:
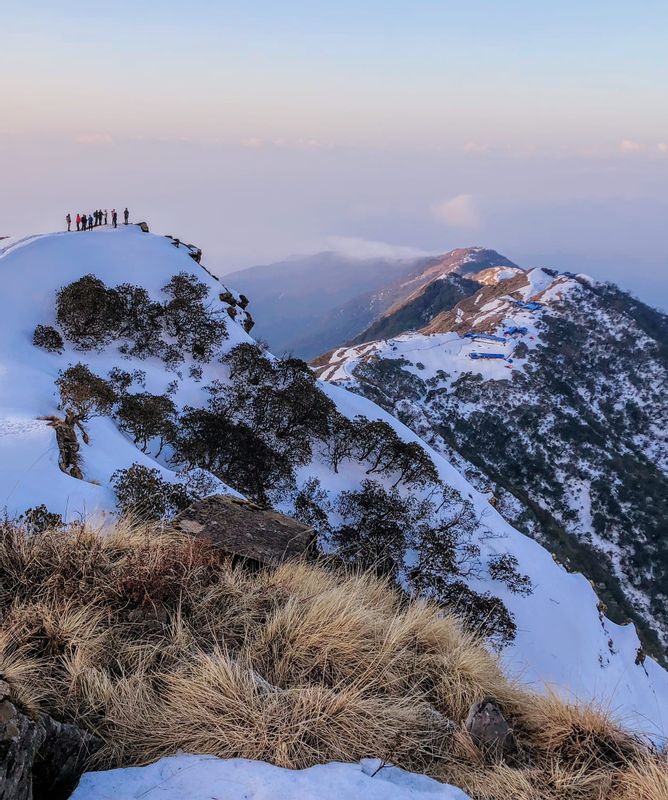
(526, 381)
(561, 636)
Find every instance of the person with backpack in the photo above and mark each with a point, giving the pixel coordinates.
(90, 222)
(68, 220)
(83, 222)
(126, 214)
(114, 217)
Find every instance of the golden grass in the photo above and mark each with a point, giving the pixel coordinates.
(156, 642)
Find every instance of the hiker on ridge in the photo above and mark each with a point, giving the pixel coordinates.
(114, 217)
(105, 216)
(68, 220)
(78, 221)
(90, 222)
(126, 214)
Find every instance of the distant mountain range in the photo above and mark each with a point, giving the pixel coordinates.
(306, 305)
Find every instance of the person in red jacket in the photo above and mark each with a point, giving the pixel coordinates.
(78, 221)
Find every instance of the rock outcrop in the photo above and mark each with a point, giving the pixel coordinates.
(489, 729)
(40, 759)
(245, 530)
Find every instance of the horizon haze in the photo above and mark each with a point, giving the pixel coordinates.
(259, 132)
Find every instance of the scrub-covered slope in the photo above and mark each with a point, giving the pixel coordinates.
(552, 390)
(177, 354)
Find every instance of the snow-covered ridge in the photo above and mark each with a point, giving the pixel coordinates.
(491, 323)
(562, 639)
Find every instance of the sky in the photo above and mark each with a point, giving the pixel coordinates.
(262, 129)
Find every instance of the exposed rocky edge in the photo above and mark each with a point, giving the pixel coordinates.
(246, 530)
(236, 302)
(143, 226)
(40, 759)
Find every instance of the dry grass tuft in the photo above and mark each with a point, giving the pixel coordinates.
(157, 642)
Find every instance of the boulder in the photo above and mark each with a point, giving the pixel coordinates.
(227, 297)
(143, 226)
(40, 758)
(489, 729)
(245, 530)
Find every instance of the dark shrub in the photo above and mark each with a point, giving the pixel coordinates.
(39, 519)
(147, 416)
(233, 452)
(484, 614)
(141, 322)
(84, 394)
(49, 338)
(196, 328)
(144, 493)
(503, 567)
(89, 313)
(312, 507)
(376, 527)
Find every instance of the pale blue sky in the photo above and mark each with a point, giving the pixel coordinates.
(536, 126)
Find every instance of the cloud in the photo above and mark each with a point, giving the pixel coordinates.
(94, 138)
(353, 247)
(662, 147)
(459, 212)
(630, 146)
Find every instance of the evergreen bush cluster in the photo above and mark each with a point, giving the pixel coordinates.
(47, 337)
(92, 315)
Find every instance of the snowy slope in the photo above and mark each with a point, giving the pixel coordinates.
(208, 778)
(439, 349)
(31, 272)
(562, 638)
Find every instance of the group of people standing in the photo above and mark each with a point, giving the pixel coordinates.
(86, 222)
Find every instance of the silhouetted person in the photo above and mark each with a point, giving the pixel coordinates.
(114, 217)
(90, 222)
(105, 216)
(126, 214)
(68, 220)
(83, 222)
